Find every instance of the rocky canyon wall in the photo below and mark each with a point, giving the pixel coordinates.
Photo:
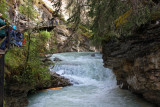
(65, 40)
(135, 60)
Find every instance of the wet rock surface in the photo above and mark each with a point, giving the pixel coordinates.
(136, 62)
(59, 81)
(93, 55)
(16, 93)
(56, 59)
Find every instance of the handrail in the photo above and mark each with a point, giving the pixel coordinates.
(13, 29)
(9, 26)
(2, 40)
(5, 36)
(8, 34)
(3, 27)
(15, 39)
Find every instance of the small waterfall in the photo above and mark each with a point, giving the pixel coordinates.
(82, 71)
(93, 85)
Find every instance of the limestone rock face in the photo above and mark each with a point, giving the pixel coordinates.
(136, 62)
(70, 41)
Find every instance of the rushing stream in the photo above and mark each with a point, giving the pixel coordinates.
(93, 85)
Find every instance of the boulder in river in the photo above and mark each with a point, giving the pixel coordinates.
(93, 55)
(59, 81)
(56, 59)
(46, 60)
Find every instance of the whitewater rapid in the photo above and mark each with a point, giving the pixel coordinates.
(93, 85)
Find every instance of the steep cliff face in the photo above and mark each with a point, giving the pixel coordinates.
(136, 62)
(18, 16)
(65, 40)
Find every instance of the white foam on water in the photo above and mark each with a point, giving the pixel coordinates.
(93, 85)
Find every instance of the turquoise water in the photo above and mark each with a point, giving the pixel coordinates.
(93, 85)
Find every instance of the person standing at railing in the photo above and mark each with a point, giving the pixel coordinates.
(13, 35)
(2, 23)
(57, 21)
(52, 21)
(49, 22)
(19, 39)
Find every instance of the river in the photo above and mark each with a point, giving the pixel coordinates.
(93, 85)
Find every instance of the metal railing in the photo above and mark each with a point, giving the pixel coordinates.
(2, 71)
(2, 61)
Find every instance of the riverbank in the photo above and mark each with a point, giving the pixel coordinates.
(17, 90)
(23, 77)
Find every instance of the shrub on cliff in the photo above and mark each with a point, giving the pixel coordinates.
(31, 72)
(44, 35)
(42, 41)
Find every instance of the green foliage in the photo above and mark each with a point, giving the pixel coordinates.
(76, 12)
(28, 73)
(34, 71)
(85, 31)
(45, 35)
(28, 10)
(15, 57)
(111, 18)
(104, 18)
(39, 41)
(4, 8)
(156, 14)
(22, 9)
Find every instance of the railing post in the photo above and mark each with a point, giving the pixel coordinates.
(1, 79)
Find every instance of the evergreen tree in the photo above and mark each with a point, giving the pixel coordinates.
(112, 18)
(29, 11)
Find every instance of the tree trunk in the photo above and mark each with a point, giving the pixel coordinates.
(1, 79)
(28, 51)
